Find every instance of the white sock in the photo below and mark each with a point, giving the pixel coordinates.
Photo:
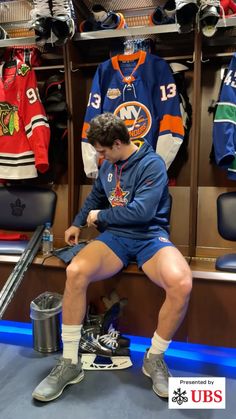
(70, 337)
(158, 345)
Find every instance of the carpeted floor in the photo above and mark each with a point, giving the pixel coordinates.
(124, 394)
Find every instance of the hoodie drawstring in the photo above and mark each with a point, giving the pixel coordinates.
(118, 190)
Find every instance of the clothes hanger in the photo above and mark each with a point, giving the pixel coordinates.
(10, 64)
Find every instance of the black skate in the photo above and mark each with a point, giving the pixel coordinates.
(3, 33)
(103, 352)
(63, 21)
(106, 323)
(103, 324)
(41, 21)
(209, 14)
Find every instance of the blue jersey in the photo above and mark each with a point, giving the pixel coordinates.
(224, 128)
(140, 89)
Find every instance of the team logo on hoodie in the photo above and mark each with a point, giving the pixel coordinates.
(163, 239)
(136, 117)
(118, 197)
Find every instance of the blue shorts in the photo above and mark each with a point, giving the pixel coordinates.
(130, 250)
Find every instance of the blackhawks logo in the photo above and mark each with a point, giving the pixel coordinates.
(9, 119)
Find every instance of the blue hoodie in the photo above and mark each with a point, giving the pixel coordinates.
(132, 195)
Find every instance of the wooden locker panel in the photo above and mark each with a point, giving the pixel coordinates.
(211, 313)
(209, 242)
(179, 225)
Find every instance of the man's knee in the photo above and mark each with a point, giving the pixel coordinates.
(186, 282)
(180, 284)
(77, 276)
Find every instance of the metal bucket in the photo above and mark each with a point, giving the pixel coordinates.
(45, 312)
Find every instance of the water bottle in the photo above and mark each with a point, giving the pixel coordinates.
(51, 240)
(47, 240)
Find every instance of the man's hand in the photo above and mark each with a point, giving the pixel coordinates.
(92, 218)
(72, 235)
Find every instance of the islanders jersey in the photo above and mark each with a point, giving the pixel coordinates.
(224, 127)
(24, 129)
(140, 89)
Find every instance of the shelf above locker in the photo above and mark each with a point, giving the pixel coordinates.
(123, 33)
(142, 30)
(29, 40)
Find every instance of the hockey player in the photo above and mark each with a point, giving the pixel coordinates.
(130, 202)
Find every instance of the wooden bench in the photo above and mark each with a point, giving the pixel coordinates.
(210, 318)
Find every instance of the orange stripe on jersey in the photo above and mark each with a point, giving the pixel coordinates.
(173, 124)
(139, 55)
(85, 129)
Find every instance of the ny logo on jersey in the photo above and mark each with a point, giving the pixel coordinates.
(136, 117)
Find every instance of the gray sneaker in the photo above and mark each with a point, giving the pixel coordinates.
(156, 368)
(62, 374)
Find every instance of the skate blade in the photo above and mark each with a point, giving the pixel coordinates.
(96, 362)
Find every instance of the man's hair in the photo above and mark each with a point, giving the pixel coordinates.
(105, 129)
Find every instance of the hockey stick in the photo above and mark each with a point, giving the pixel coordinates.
(15, 278)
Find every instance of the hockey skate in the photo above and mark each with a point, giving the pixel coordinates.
(103, 352)
(106, 324)
(41, 21)
(4, 8)
(63, 21)
(163, 15)
(209, 14)
(102, 19)
(3, 33)
(186, 11)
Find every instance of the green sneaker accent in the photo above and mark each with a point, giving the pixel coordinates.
(63, 374)
(156, 368)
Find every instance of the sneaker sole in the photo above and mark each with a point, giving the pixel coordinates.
(42, 398)
(163, 395)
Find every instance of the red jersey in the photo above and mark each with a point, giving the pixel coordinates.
(24, 128)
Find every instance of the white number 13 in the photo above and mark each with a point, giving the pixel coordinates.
(168, 91)
(94, 100)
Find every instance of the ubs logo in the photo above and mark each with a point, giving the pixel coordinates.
(179, 396)
(136, 117)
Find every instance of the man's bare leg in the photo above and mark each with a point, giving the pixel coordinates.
(94, 262)
(168, 269)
